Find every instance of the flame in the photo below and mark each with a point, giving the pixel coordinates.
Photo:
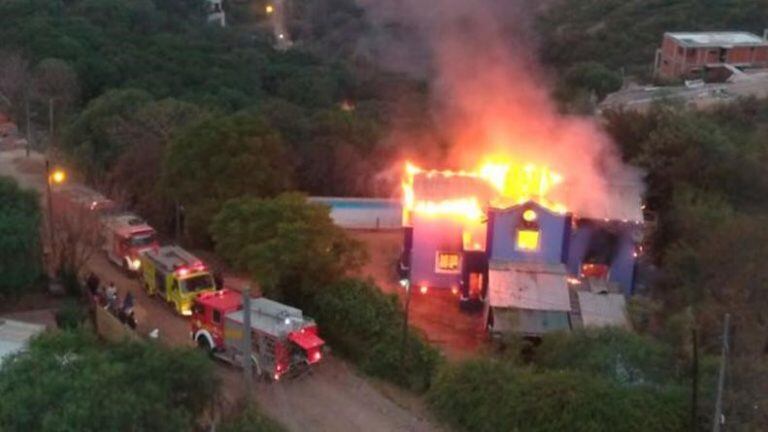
(513, 183)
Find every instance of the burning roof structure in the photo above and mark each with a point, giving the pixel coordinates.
(472, 231)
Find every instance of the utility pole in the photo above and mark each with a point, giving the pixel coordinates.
(404, 344)
(695, 379)
(50, 208)
(29, 123)
(717, 421)
(50, 120)
(247, 363)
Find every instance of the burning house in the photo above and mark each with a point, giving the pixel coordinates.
(503, 237)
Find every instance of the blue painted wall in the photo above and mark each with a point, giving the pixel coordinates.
(622, 266)
(503, 235)
(431, 235)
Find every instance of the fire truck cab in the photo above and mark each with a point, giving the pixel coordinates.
(126, 236)
(282, 339)
(175, 275)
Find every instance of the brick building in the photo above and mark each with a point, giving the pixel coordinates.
(694, 55)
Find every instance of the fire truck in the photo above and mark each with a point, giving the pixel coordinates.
(175, 275)
(126, 236)
(283, 341)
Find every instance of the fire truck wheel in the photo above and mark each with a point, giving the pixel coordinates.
(202, 343)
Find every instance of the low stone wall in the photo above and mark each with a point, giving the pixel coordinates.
(111, 329)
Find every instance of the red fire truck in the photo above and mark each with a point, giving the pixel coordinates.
(282, 339)
(126, 236)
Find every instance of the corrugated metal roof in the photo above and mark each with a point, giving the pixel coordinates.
(15, 335)
(717, 39)
(602, 309)
(528, 286)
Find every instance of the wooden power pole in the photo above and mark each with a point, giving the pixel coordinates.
(717, 421)
(247, 364)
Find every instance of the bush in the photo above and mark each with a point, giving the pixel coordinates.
(487, 395)
(613, 353)
(71, 315)
(365, 325)
(95, 386)
(19, 238)
(251, 420)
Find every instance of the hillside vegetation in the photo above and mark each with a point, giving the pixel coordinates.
(625, 34)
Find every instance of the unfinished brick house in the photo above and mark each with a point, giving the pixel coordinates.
(701, 54)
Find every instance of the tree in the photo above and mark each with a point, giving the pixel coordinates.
(135, 178)
(222, 158)
(290, 246)
(20, 260)
(89, 138)
(77, 237)
(96, 386)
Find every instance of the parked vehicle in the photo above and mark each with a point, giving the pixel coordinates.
(126, 236)
(283, 340)
(175, 275)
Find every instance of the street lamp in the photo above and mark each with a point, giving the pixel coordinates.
(57, 177)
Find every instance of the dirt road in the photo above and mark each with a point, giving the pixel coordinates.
(333, 398)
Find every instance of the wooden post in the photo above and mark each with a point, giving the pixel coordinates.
(716, 422)
(246, 348)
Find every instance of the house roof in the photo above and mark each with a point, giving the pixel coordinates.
(602, 309)
(14, 335)
(530, 286)
(717, 39)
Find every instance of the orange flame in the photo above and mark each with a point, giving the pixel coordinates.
(512, 183)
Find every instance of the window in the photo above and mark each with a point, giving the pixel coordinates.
(527, 240)
(197, 283)
(216, 316)
(447, 262)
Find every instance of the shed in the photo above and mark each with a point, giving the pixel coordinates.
(528, 298)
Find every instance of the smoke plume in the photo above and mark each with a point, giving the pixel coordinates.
(489, 96)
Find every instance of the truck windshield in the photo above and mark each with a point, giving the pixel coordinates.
(143, 239)
(197, 283)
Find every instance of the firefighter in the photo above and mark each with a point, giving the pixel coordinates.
(92, 282)
(218, 279)
(111, 297)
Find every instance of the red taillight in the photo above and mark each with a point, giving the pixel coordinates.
(423, 289)
(317, 356)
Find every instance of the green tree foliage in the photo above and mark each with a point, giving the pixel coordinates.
(289, 245)
(366, 325)
(620, 355)
(71, 381)
(707, 182)
(89, 138)
(250, 420)
(137, 173)
(19, 238)
(488, 395)
(221, 158)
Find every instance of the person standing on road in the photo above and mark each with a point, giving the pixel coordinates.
(93, 284)
(111, 296)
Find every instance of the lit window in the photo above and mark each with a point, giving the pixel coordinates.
(447, 262)
(527, 240)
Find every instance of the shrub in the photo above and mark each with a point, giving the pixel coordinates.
(365, 325)
(615, 354)
(251, 420)
(70, 315)
(96, 386)
(487, 395)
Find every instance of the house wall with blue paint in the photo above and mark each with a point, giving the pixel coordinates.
(504, 225)
(432, 236)
(621, 259)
